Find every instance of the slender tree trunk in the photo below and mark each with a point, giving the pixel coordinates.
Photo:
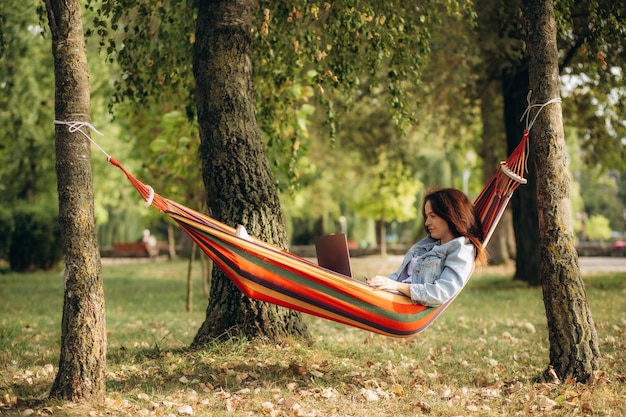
(574, 348)
(207, 266)
(190, 263)
(383, 237)
(82, 362)
(171, 242)
(524, 201)
(501, 247)
(236, 173)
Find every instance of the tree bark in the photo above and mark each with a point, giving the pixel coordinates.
(235, 169)
(82, 362)
(574, 348)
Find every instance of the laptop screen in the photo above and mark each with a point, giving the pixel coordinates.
(332, 253)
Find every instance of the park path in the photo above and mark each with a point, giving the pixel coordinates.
(372, 265)
(378, 265)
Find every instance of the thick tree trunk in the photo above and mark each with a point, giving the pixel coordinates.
(82, 363)
(574, 348)
(524, 201)
(236, 173)
(501, 247)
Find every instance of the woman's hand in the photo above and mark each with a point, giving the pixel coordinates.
(382, 283)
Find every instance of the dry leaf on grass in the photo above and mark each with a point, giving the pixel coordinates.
(185, 410)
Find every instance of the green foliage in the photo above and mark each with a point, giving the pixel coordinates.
(26, 108)
(333, 51)
(36, 239)
(167, 144)
(591, 43)
(387, 193)
(600, 194)
(597, 228)
(2, 24)
(152, 44)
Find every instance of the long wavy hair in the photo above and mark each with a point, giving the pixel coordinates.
(457, 210)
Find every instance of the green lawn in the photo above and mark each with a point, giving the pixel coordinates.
(482, 357)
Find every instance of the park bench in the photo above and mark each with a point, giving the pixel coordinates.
(134, 250)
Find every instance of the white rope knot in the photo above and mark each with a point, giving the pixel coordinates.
(77, 126)
(150, 196)
(530, 123)
(526, 114)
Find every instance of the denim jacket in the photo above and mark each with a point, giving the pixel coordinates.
(440, 270)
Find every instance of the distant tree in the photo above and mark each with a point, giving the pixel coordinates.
(597, 228)
(26, 157)
(574, 346)
(82, 361)
(590, 36)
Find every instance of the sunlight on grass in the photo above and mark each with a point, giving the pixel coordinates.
(481, 357)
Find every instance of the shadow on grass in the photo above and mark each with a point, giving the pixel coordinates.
(228, 365)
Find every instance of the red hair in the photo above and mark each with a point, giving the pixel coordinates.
(457, 210)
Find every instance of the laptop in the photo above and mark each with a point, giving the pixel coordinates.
(332, 253)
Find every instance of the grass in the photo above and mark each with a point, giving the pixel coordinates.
(482, 357)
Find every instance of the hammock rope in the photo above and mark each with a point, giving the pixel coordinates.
(267, 273)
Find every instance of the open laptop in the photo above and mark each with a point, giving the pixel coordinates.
(332, 253)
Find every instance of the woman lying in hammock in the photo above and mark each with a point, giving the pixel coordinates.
(438, 266)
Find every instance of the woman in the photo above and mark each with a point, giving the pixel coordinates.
(438, 266)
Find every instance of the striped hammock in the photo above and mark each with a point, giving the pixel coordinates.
(267, 273)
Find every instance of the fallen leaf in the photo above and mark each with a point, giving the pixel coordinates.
(231, 404)
(297, 368)
(424, 406)
(546, 403)
(317, 374)
(587, 408)
(516, 387)
(369, 395)
(267, 407)
(186, 409)
(397, 389)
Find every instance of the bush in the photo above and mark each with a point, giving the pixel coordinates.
(36, 240)
(6, 231)
(597, 228)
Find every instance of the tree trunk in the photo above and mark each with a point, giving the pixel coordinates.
(235, 169)
(574, 348)
(383, 237)
(501, 247)
(524, 201)
(82, 362)
(171, 242)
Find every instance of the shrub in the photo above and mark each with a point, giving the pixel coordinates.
(36, 239)
(6, 231)
(597, 228)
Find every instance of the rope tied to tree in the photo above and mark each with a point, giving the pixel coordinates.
(517, 164)
(530, 122)
(526, 114)
(146, 191)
